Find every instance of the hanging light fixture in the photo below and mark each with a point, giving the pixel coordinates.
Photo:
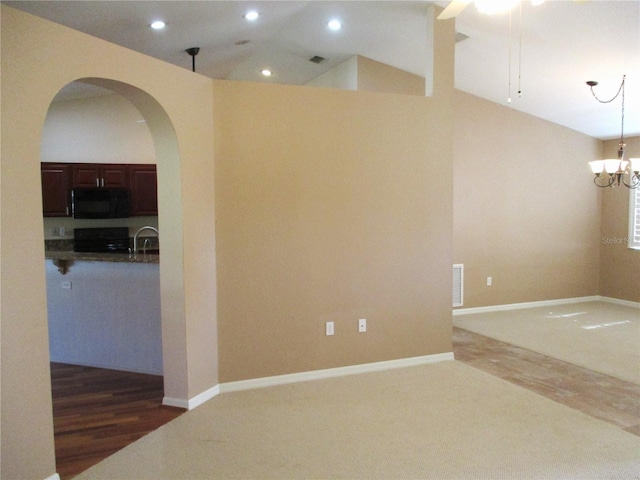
(613, 172)
(193, 51)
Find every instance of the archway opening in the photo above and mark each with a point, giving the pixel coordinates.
(106, 312)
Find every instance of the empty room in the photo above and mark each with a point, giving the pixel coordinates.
(356, 239)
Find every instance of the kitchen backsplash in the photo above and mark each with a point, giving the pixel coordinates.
(66, 244)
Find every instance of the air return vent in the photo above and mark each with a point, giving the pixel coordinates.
(317, 59)
(458, 284)
(461, 37)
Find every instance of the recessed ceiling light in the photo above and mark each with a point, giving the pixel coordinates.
(251, 15)
(158, 25)
(266, 72)
(334, 24)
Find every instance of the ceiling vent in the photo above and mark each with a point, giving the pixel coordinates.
(461, 37)
(317, 59)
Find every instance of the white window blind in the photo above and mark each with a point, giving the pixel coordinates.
(634, 219)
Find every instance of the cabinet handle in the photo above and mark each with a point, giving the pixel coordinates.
(102, 181)
(67, 210)
(97, 182)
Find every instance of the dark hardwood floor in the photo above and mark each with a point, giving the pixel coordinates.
(601, 396)
(97, 412)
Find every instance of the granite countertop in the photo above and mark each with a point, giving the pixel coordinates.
(68, 255)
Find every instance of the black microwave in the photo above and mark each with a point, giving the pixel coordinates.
(100, 202)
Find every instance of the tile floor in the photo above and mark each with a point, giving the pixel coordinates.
(601, 396)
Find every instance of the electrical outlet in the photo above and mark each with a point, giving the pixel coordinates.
(362, 325)
(62, 231)
(489, 281)
(329, 328)
(55, 231)
(65, 285)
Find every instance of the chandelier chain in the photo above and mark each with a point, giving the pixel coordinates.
(620, 90)
(622, 126)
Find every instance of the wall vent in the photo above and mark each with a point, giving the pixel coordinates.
(458, 284)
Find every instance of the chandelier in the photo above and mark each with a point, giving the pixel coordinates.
(613, 172)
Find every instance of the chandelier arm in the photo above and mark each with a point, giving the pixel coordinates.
(634, 181)
(608, 184)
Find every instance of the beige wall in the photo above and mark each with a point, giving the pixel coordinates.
(526, 212)
(327, 212)
(377, 77)
(38, 59)
(619, 265)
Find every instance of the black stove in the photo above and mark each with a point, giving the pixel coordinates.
(101, 240)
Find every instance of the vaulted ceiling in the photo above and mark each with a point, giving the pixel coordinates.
(548, 51)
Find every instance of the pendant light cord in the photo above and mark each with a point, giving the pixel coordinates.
(620, 90)
(520, 57)
(509, 69)
(519, 53)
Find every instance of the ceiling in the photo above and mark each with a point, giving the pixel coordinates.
(552, 51)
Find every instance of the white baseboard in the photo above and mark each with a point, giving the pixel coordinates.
(544, 303)
(518, 306)
(55, 476)
(617, 301)
(332, 372)
(192, 402)
(302, 377)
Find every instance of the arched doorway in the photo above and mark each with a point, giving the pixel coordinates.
(104, 317)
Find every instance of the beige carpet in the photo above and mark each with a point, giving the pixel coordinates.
(600, 336)
(439, 421)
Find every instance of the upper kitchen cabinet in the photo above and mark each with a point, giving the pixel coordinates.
(58, 179)
(144, 190)
(56, 189)
(100, 175)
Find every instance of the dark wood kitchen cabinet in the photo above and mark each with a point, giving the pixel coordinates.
(144, 190)
(100, 175)
(59, 178)
(56, 189)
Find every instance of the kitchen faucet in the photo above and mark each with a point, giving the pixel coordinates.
(135, 237)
